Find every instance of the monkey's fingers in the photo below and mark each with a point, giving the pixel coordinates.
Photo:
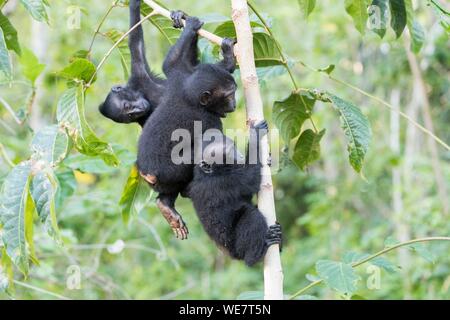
(177, 18)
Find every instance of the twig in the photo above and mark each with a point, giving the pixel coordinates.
(386, 104)
(157, 9)
(29, 286)
(106, 56)
(5, 156)
(10, 110)
(102, 21)
(375, 255)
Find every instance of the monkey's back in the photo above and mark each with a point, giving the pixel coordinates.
(156, 145)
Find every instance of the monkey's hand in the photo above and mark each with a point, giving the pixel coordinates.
(193, 23)
(177, 18)
(228, 45)
(174, 219)
(274, 235)
(260, 129)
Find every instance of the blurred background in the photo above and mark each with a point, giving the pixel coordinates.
(326, 211)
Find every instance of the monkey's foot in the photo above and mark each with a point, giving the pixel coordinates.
(174, 219)
(151, 179)
(274, 235)
(177, 18)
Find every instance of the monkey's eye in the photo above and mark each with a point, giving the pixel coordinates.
(116, 89)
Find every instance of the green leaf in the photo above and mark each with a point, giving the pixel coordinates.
(328, 69)
(124, 51)
(415, 29)
(356, 128)
(338, 276)
(251, 295)
(307, 6)
(67, 184)
(78, 70)
(290, 114)
(51, 144)
(164, 25)
(31, 68)
(6, 272)
(307, 149)
(357, 9)
(15, 208)
(398, 16)
(423, 251)
(379, 17)
(44, 190)
(227, 29)
(10, 33)
(37, 9)
(306, 297)
(71, 116)
(5, 61)
(135, 195)
(265, 50)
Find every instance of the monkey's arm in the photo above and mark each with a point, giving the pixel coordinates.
(141, 76)
(228, 62)
(183, 54)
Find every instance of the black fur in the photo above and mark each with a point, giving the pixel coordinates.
(135, 101)
(194, 92)
(222, 196)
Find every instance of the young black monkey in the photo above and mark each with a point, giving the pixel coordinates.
(222, 190)
(194, 92)
(135, 101)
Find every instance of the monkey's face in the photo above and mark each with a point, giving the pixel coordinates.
(215, 88)
(124, 105)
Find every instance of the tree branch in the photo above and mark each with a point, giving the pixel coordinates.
(273, 273)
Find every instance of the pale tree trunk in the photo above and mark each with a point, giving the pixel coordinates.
(39, 45)
(273, 273)
(401, 216)
(419, 84)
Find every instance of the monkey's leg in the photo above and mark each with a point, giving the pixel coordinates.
(166, 204)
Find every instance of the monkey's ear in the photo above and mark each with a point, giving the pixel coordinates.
(205, 98)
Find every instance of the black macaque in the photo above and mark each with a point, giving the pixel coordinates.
(222, 190)
(135, 101)
(194, 92)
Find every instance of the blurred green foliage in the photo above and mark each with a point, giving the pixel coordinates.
(326, 211)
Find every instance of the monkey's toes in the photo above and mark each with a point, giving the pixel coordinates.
(194, 23)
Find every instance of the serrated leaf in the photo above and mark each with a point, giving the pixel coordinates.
(398, 16)
(37, 9)
(251, 295)
(51, 144)
(415, 29)
(124, 51)
(307, 6)
(379, 17)
(31, 68)
(165, 27)
(356, 128)
(78, 70)
(290, 114)
(357, 9)
(10, 34)
(44, 190)
(70, 115)
(338, 276)
(307, 148)
(135, 195)
(265, 50)
(14, 208)
(5, 61)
